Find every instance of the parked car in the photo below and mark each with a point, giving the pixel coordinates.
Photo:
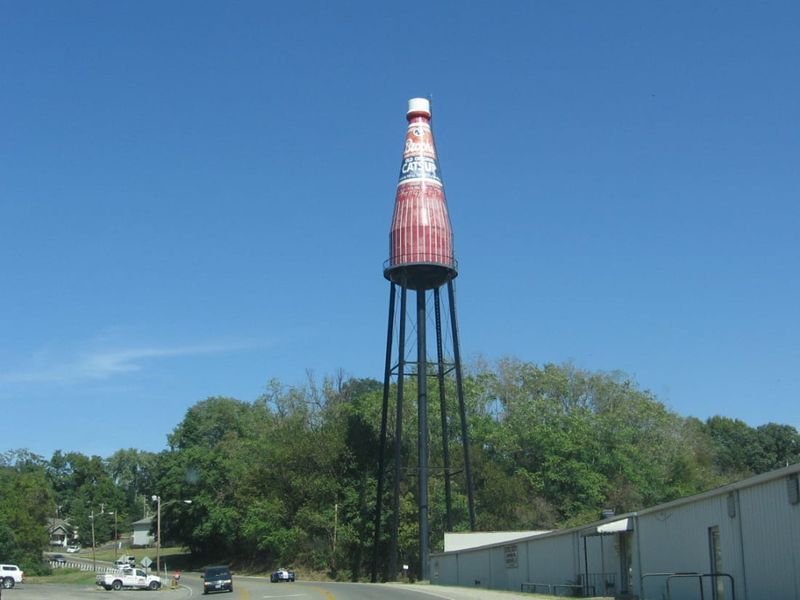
(10, 575)
(125, 561)
(281, 575)
(217, 579)
(59, 559)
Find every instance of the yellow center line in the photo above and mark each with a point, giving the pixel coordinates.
(245, 594)
(326, 593)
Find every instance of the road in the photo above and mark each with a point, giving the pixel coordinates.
(253, 588)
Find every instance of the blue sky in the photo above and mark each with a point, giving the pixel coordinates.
(195, 198)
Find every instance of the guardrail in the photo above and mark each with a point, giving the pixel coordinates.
(531, 587)
(83, 566)
(553, 588)
(568, 586)
(692, 575)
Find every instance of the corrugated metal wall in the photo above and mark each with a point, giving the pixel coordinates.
(756, 531)
(771, 532)
(677, 539)
(475, 569)
(553, 559)
(445, 569)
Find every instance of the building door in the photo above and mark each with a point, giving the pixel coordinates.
(715, 550)
(625, 562)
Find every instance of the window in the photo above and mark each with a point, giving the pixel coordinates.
(793, 488)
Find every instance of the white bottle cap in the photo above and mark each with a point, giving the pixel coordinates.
(419, 105)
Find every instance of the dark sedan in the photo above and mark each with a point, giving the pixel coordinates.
(217, 579)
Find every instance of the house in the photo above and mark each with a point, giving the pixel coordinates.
(142, 532)
(61, 532)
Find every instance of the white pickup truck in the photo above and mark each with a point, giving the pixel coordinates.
(129, 578)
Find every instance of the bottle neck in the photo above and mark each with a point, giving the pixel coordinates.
(418, 118)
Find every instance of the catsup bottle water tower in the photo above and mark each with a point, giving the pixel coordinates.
(421, 259)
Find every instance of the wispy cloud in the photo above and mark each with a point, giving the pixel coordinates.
(105, 364)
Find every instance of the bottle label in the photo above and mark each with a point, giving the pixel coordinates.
(419, 155)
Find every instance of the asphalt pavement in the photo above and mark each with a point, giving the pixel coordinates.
(259, 588)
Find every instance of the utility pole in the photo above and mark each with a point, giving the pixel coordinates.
(94, 558)
(113, 512)
(157, 499)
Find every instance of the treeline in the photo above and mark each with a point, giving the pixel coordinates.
(291, 478)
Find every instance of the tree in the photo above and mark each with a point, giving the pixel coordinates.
(86, 494)
(736, 446)
(26, 502)
(291, 477)
(583, 441)
(779, 445)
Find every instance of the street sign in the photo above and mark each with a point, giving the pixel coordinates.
(146, 562)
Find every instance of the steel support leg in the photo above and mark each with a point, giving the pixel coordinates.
(461, 408)
(387, 374)
(398, 435)
(448, 498)
(422, 439)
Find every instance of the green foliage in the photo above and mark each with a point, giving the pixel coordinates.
(740, 450)
(582, 442)
(87, 496)
(290, 478)
(26, 500)
(132, 473)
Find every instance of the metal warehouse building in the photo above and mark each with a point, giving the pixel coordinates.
(737, 542)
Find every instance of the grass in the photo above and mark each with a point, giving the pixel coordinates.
(138, 553)
(171, 558)
(69, 576)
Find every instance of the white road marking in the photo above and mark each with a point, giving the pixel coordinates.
(428, 592)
